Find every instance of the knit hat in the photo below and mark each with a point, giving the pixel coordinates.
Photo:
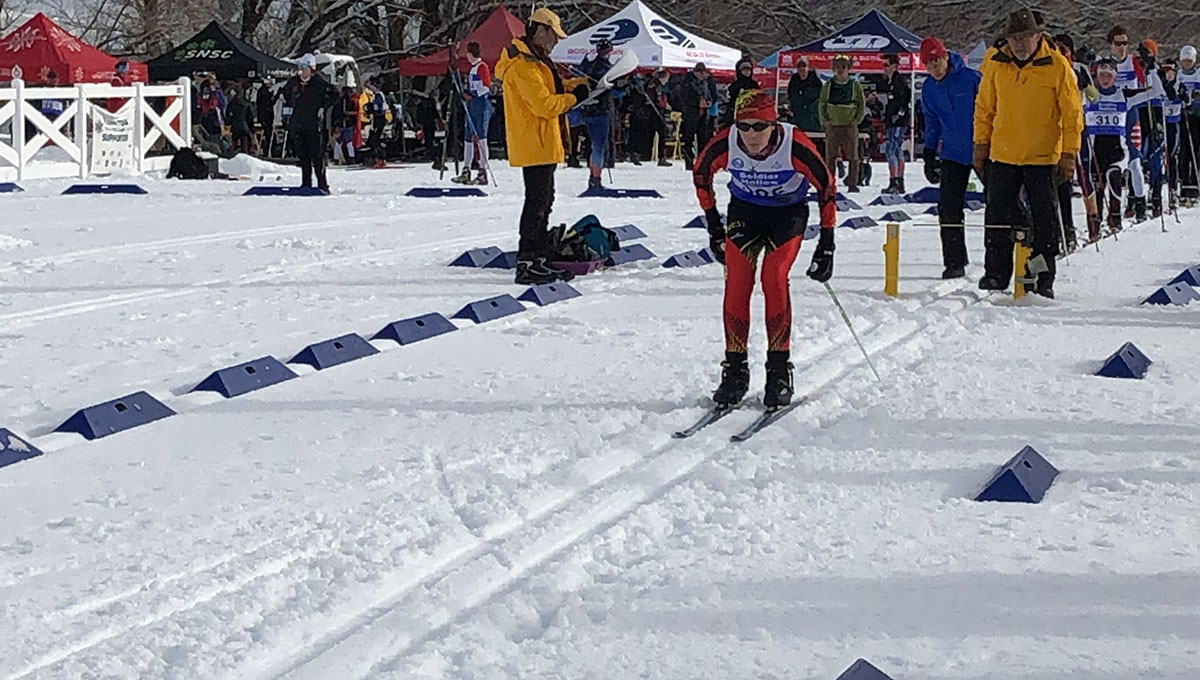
(1151, 46)
(307, 61)
(1066, 41)
(757, 104)
(932, 48)
(1187, 52)
(1025, 20)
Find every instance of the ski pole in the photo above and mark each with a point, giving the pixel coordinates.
(846, 318)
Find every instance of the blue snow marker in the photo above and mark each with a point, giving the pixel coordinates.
(1190, 276)
(1127, 362)
(505, 260)
(688, 258)
(934, 194)
(79, 189)
(847, 205)
(863, 670)
(889, 199)
(253, 375)
(116, 416)
(13, 449)
(10, 188)
(549, 293)
(323, 355)
(896, 216)
(482, 311)
(416, 329)
(1024, 479)
(284, 191)
(607, 192)
(1173, 294)
(477, 257)
(445, 192)
(628, 232)
(628, 254)
(860, 223)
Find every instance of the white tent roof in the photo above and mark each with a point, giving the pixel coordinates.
(656, 41)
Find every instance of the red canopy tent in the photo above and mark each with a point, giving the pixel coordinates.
(40, 46)
(493, 35)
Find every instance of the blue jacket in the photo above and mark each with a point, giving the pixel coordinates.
(949, 108)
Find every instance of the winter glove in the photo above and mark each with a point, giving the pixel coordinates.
(982, 152)
(933, 168)
(1066, 167)
(716, 234)
(581, 92)
(821, 268)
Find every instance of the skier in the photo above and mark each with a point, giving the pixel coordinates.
(1028, 123)
(1068, 240)
(1151, 118)
(896, 122)
(478, 96)
(1131, 78)
(308, 95)
(1172, 117)
(1188, 82)
(597, 115)
(535, 100)
(948, 104)
(1106, 127)
(771, 164)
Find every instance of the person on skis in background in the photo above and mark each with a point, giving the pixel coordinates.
(1172, 117)
(771, 165)
(478, 95)
(1131, 78)
(1187, 83)
(1152, 119)
(597, 115)
(1105, 125)
(895, 121)
(948, 104)
(1068, 240)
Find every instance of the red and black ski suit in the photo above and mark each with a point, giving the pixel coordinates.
(768, 214)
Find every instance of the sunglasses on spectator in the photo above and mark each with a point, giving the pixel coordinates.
(1120, 43)
(760, 126)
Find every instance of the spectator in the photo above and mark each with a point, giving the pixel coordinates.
(309, 95)
(744, 81)
(842, 107)
(653, 117)
(698, 96)
(240, 115)
(212, 114)
(535, 100)
(597, 114)
(379, 113)
(265, 112)
(1028, 122)
(896, 121)
(948, 103)
(121, 78)
(804, 95)
(345, 123)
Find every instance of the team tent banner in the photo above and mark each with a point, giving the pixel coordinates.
(216, 50)
(656, 41)
(865, 41)
(40, 46)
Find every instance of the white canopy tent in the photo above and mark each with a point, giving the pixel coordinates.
(656, 41)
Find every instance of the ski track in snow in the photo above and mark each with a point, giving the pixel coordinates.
(478, 514)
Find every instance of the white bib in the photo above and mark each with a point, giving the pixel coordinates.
(772, 181)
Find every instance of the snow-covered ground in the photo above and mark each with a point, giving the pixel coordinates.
(506, 501)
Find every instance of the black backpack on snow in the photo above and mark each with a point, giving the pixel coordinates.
(585, 241)
(187, 164)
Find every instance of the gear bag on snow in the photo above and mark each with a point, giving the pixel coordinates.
(585, 241)
(187, 164)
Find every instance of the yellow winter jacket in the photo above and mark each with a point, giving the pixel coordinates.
(534, 103)
(1029, 115)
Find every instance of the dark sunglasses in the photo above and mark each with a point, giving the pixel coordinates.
(1120, 43)
(760, 126)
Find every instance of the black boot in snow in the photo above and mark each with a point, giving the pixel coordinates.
(992, 283)
(778, 391)
(1139, 210)
(735, 380)
(954, 271)
(900, 186)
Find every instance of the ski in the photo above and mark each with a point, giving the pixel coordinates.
(711, 416)
(766, 418)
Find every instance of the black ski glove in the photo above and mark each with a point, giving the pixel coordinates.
(716, 234)
(581, 93)
(821, 268)
(933, 167)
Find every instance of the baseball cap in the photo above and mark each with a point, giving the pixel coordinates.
(932, 48)
(546, 17)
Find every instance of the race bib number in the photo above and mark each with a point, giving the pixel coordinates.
(1106, 118)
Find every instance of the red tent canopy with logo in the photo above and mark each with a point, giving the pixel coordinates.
(493, 35)
(40, 46)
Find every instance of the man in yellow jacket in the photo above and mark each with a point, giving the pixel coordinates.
(1028, 127)
(535, 100)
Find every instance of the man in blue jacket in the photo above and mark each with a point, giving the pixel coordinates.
(948, 102)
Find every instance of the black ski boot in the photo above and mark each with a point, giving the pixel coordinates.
(735, 380)
(539, 271)
(954, 271)
(663, 162)
(992, 283)
(779, 390)
(1139, 209)
(900, 191)
(594, 182)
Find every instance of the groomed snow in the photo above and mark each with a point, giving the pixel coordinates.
(506, 501)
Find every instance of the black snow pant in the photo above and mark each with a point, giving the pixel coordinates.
(955, 177)
(1108, 166)
(310, 149)
(1004, 185)
(1068, 221)
(535, 215)
(697, 130)
(641, 135)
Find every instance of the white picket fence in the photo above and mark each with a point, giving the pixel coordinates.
(79, 132)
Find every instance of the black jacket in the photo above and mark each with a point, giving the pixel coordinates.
(265, 103)
(896, 113)
(595, 68)
(239, 114)
(694, 90)
(741, 84)
(308, 101)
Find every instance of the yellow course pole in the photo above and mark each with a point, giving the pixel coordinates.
(1021, 255)
(891, 260)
